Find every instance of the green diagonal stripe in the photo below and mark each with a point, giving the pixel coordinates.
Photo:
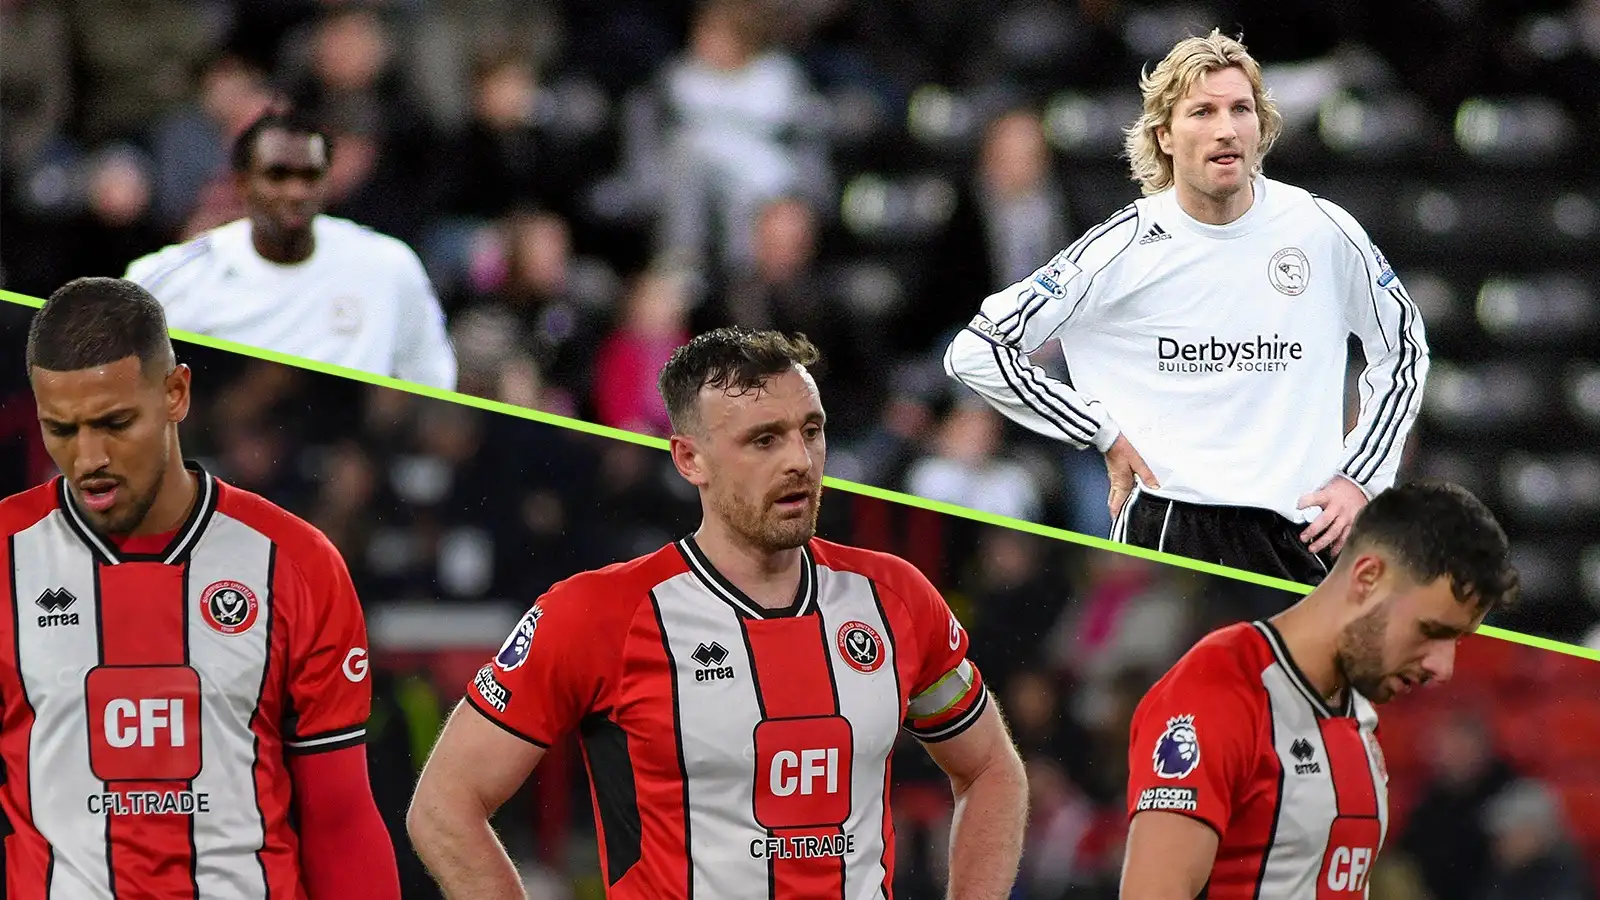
(949, 509)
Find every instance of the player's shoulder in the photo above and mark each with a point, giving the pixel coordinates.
(1103, 242)
(1230, 657)
(23, 510)
(1315, 208)
(346, 233)
(295, 540)
(875, 565)
(616, 591)
(186, 258)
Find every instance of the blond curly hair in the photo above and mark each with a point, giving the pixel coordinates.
(1171, 79)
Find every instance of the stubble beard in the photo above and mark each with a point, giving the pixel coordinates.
(1360, 655)
(759, 525)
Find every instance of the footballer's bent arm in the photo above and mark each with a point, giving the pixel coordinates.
(991, 807)
(1169, 857)
(475, 766)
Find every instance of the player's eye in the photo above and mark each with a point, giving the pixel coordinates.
(813, 432)
(61, 431)
(763, 440)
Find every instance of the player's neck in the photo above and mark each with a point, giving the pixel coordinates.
(1209, 210)
(769, 578)
(180, 490)
(1311, 641)
(286, 250)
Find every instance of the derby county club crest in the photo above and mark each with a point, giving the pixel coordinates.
(1178, 750)
(229, 607)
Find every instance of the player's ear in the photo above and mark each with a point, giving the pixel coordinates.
(1365, 575)
(686, 456)
(177, 393)
(1164, 139)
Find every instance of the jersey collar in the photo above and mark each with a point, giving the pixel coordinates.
(805, 596)
(176, 551)
(1299, 679)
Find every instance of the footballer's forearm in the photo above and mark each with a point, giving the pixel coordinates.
(453, 838)
(986, 834)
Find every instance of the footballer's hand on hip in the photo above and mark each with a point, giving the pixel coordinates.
(1123, 464)
(1340, 500)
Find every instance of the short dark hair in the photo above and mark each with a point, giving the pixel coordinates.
(244, 146)
(734, 359)
(90, 322)
(1435, 528)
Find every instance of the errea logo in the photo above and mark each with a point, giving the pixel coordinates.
(711, 657)
(56, 602)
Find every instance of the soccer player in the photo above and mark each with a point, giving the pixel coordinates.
(1206, 328)
(181, 662)
(292, 279)
(1254, 763)
(737, 693)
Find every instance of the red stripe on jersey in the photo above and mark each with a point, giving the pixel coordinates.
(803, 757)
(1356, 831)
(1352, 775)
(27, 857)
(144, 709)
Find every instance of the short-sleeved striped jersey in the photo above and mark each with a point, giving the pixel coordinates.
(150, 689)
(734, 751)
(1236, 737)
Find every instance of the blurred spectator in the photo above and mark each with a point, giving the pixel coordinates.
(963, 467)
(136, 59)
(116, 222)
(191, 143)
(654, 322)
(1444, 834)
(1017, 601)
(35, 81)
(1010, 221)
(507, 155)
(735, 136)
(552, 304)
(1532, 855)
(786, 289)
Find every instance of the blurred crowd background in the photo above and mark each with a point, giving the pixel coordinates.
(453, 521)
(590, 182)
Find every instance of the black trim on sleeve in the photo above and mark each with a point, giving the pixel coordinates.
(966, 721)
(477, 705)
(335, 740)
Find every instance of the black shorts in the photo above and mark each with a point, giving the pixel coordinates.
(1241, 537)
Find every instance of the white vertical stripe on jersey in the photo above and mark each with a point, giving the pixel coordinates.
(54, 661)
(1367, 715)
(1309, 806)
(717, 720)
(872, 704)
(230, 666)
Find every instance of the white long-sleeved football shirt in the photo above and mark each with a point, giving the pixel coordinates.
(1219, 350)
(362, 300)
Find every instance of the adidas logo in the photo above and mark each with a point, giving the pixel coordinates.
(1156, 233)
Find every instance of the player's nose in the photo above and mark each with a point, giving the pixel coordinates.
(89, 452)
(1440, 663)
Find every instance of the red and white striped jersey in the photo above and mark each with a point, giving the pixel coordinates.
(1235, 736)
(734, 751)
(150, 688)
